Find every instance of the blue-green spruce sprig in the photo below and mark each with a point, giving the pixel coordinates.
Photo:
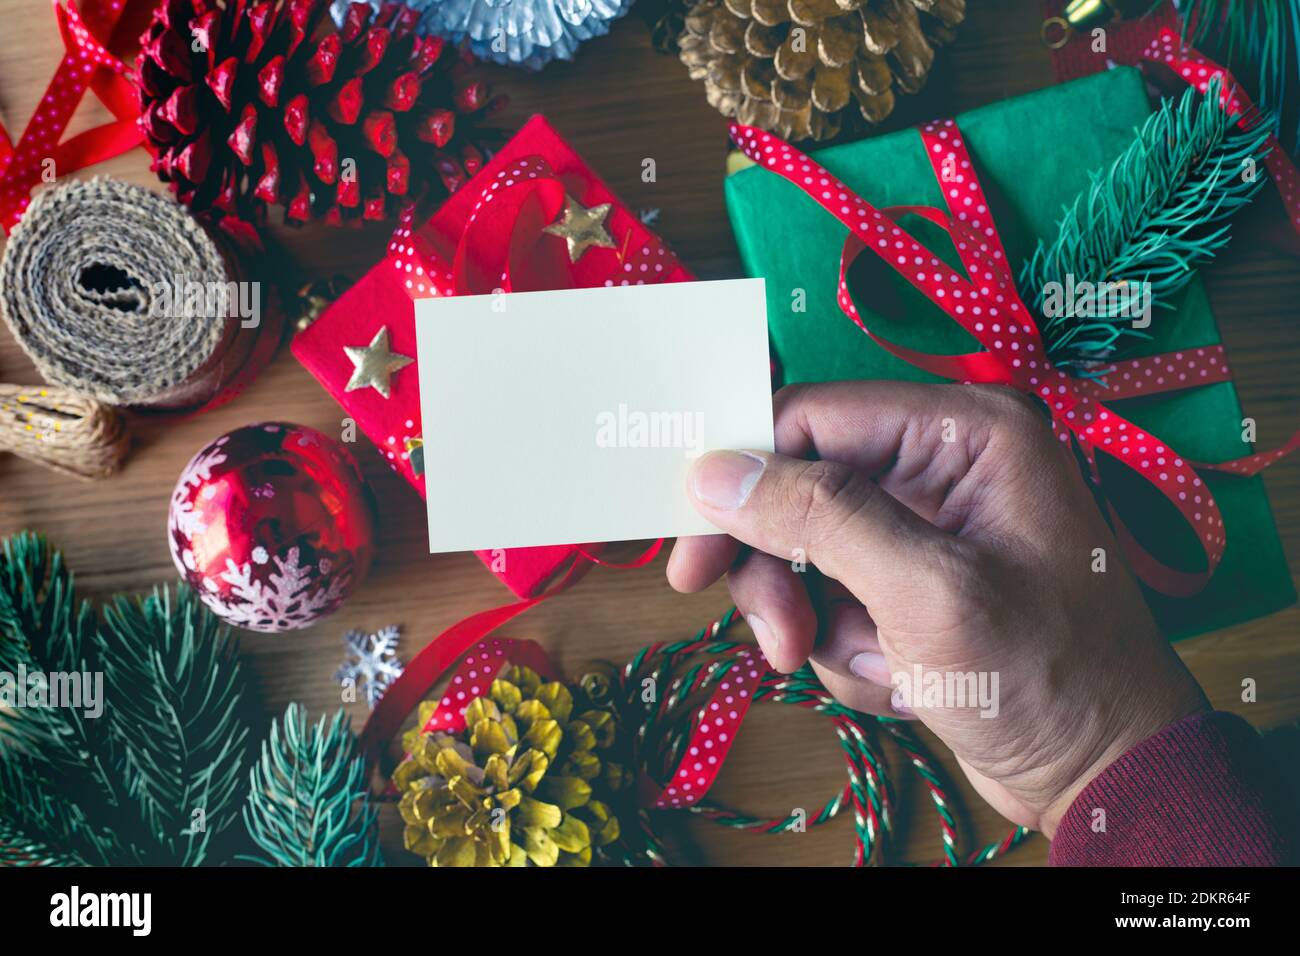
(1154, 216)
(1262, 36)
(308, 801)
(153, 777)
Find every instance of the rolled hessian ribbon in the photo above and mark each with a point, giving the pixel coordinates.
(985, 303)
(120, 294)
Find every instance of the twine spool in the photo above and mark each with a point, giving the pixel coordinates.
(93, 284)
(55, 427)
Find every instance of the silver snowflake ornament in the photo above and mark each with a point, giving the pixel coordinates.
(527, 33)
(371, 659)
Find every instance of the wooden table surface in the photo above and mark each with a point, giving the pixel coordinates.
(619, 103)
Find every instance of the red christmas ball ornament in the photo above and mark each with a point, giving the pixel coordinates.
(273, 526)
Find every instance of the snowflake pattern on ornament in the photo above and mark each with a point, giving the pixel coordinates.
(288, 598)
(371, 660)
(184, 519)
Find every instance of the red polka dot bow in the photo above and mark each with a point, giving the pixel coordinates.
(985, 303)
(95, 38)
(502, 245)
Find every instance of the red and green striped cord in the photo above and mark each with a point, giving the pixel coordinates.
(663, 725)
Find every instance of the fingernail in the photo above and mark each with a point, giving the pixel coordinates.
(870, 666)
(724, 479)
(899, 705)
(768, 642)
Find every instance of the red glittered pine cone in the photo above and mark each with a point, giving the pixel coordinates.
(248, 105)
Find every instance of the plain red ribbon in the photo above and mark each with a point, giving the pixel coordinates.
(424, 670)
(95, 38)
(986, 304)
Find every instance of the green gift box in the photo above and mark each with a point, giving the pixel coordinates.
(1033, 155)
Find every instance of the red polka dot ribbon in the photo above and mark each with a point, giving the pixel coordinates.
(1199, 71)
(713, 733)
(481, 666)
(985, 303)
(714, 730)
(90, 34)
(502, 248)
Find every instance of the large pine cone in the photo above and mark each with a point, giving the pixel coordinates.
(522, 784)
(248, 105)
(797, 67)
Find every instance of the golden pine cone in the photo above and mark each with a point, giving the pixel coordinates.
(796, 67)
(519, 786)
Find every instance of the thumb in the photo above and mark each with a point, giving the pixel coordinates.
(823, 512)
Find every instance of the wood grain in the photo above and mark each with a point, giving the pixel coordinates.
(619, 103)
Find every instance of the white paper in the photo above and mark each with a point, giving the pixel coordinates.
(542, 410)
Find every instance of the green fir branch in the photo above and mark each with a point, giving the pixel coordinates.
(158, 776)
(39, 829)
(43, 628)
(1153, 217)
(119, 788)
(308, 803)
(172, 672)
(1262, 36)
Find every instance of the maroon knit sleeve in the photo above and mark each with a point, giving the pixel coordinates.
(1199, 793)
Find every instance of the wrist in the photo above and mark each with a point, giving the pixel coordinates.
(1134, 734)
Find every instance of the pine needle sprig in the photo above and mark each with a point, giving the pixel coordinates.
(38, 829)
(172, 674)
(156, 776)
(37, 597)
(118, 787)
(1149, 220)
(308, 802)
(48, 751)
(1261, 34)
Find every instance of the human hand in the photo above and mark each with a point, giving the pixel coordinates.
(972, 555)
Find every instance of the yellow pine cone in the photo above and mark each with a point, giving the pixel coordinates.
(798, 67)
(519, 786)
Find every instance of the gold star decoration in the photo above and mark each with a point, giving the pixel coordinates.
(582, 228)
(375, 364)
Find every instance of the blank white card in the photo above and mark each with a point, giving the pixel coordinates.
(573, 416)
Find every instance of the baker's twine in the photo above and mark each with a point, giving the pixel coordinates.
(55, 427)
(80, 284)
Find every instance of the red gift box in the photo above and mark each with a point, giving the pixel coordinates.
(491, 235)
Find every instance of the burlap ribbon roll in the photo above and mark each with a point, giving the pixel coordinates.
(116, 292)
